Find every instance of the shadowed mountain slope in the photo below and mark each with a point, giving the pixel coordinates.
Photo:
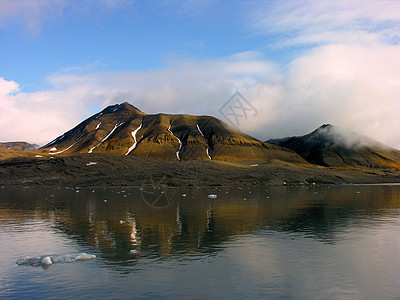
(123, 129)
(334, 147)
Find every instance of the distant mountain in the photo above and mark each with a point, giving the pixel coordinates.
(335, 147)
(123, 129)
(19, 146)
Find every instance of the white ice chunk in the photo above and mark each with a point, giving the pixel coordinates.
(91, 163)
(98, 125)
(38, 156)
(134, 137)
(46, 261)
(212, 196)
(255, 165)
(84, 256)
(53, 149)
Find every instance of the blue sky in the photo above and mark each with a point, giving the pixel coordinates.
(299, 63)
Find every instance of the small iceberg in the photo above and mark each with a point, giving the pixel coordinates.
(47, 260)
(84, 256)
(212, 196)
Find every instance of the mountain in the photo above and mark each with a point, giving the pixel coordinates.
(335, 147)
(123, 129)
(19, 146)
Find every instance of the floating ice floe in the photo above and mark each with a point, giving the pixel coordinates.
(255, 165)
(47, 260)
(91, 163)
(38, 156)
(212, 196)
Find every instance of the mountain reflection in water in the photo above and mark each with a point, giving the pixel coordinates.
(330, 236)
(115, 221)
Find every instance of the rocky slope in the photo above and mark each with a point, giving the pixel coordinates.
(335, 147)
(123, 129)
(102, 169)
(19, 146)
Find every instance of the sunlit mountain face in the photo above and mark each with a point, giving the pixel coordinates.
(123, 129)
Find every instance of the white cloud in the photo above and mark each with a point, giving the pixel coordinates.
(319, 22)
(32, 14)
(354, 87)
(196, 87)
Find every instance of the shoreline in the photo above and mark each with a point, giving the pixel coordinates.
(109, 170)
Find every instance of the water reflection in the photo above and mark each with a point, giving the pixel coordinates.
(122, 229)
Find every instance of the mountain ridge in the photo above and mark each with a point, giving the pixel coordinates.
(19, 146)
(123, 129)
(331, 146)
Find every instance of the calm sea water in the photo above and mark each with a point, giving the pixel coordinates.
(318, 242)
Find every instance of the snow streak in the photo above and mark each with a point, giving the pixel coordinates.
(180, 143)
(52, 142)
(134, 137)
(198, 128)
(64, 149)
(111, 132)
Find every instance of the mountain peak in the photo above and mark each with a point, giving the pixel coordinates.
(125, 106)
(123, 129)
(326, 126)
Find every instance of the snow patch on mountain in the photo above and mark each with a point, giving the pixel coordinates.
(111, 132)
(134, 138)
(198, 128)
(180, 143)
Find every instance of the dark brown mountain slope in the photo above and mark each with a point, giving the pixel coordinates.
(334, 147)
(125, 130)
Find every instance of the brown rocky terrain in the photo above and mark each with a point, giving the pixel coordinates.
(123, 129)
(19, 146)
(122, 146)
(102, 169)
